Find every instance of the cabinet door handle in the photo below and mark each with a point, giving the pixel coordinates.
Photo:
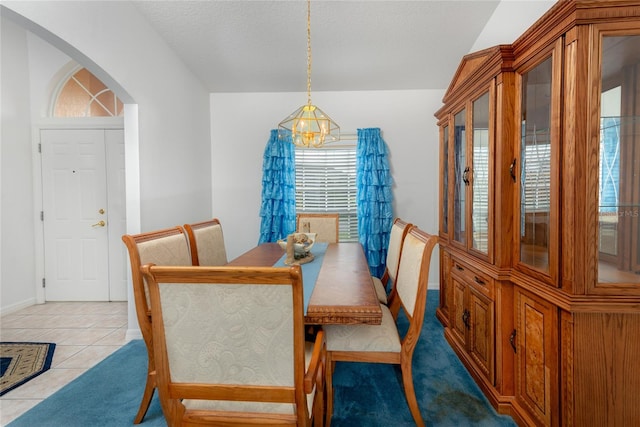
(465, 318)
(512, 341)
(478, 280)
(512, 170)
(465, 175)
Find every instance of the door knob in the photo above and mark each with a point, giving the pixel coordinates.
(101, 211)
(99, 224)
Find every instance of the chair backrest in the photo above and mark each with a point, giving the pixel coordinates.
(229, 339)
(399, 230)
(325, 225)
(207, 243)
(413, 280)
(162, 247)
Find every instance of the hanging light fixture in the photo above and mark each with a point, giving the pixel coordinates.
(309, 125)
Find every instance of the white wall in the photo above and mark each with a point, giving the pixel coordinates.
(510, 19)
(171, 183)
(118, 45)
(240, 126)
(16, 206)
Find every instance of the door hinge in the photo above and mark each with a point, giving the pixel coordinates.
(39, 147)
(41, 215)
(43, 282)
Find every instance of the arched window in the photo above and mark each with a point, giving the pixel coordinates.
(84, 95)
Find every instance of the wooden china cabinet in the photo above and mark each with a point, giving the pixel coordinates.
(540, 217)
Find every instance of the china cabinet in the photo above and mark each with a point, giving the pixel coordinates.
(540, 217)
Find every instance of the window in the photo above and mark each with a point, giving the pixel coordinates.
(326, 182)
(610, 151)
(84, 95)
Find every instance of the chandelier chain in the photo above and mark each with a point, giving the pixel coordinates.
(309, 126)
(309, 52)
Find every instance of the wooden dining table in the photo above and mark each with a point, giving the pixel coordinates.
(343, 292)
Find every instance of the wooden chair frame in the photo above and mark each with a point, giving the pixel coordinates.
(191, 229)
(336, 217)
(408, 342)
(305, 380)
(143, 311)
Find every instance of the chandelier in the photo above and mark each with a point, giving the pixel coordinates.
(309, 126)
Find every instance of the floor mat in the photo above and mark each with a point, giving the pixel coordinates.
(23, 361)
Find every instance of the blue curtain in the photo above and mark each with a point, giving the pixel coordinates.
(375, 213)
(278, 210)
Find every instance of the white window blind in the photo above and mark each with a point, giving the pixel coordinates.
(537, 177)
(326, 182)
(480, 206)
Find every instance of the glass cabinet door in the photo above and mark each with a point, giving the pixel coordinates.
(535, 167)
(444, 226)
(619, 161)
(480, 175)
(461, 173)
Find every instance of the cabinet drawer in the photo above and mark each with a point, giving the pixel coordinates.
(479, 281)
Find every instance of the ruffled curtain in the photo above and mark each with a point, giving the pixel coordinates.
(278, 210)
(375, 213)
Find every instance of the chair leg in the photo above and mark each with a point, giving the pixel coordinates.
(149, 388)
(328, 389)
(319, 406)
(410, 393)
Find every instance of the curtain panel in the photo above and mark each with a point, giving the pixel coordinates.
(375, 212)
(278, 209)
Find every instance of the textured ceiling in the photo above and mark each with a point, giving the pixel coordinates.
(261, 46)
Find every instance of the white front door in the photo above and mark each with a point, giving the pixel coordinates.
(83, 214)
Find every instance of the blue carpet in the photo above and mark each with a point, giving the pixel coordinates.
(365, 394)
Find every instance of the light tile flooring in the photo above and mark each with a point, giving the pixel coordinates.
(84, 334)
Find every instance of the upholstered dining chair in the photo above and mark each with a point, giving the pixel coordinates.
(384, 343)
(230, 346)
(325, 225)
(206, 242)
(163, 247)
(399, 230)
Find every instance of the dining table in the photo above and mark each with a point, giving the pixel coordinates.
(337, 283)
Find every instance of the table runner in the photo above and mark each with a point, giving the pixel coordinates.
(310, 270)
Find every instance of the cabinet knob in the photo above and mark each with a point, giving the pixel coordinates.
(512, 341)
(465, 175)
(465, 318)
(512, 170)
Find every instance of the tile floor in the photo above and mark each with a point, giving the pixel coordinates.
(84, 334)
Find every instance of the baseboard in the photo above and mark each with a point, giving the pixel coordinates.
(133, 334)
(17, 306)
(434, 286)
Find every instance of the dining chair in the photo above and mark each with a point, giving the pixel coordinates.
(206, 242)
(163, 247)
(398, 232)
(384, 343)
(230, 346)
(325, 225)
